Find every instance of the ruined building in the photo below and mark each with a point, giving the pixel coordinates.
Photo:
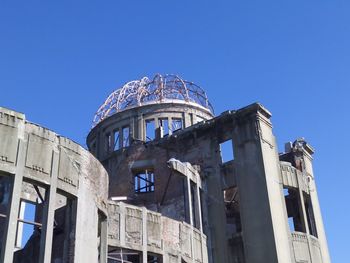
(153, 186)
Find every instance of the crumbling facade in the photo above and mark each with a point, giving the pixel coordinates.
(168, 196)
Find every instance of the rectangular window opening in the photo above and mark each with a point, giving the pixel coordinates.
(186, 203)
(126, 136)
(195, 205)
(202, 204)
(233, 215)
(120, 255)
(226, 149)
(154, 258)
(294, 211)
(199, 118)
(150, 130)
(164, 125)
(176, 124)
(144, 182)
(116, 144)
(310, 215)
(64, 228)
(30, 218)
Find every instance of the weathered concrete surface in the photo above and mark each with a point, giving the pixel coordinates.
(188, 205)
(253, 229)
(41, 158)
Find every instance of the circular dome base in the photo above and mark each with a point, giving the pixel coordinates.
(147, 91)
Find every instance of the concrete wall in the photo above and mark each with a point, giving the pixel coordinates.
(253, 229)
(33, 156)
(139, 229)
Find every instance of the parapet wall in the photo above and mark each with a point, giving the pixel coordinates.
(139, 229)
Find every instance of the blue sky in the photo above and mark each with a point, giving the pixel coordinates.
(59, 60)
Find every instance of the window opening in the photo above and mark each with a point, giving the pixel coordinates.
(202, 204)
(200, 118)
(126, 135)
(164, 125)
(27, 223)
(154, 258)
(116, 145)
(64, 228)
(294, 212)
(176, 124)
(195, 208)
(30, 221)
(122, 255)
(144, 182)
(310, 215)
(6, 185)
(150, 130)
(185, 200)
(226, 149)
(232, 209)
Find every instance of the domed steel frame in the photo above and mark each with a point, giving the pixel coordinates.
(167, 88)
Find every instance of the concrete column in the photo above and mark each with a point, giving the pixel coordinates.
(10, 236)
(144, 235)
(308, 171)
(120, 138)
(112, 141)
(170, 124)
(303, 213)
(215, 204)
(103, 243)
(302, 205)
(122, 224)
(263, 212)
(199, 207)
(100, 145)
(186, 120)
(139, 127)
(199, 202)
(190, 206)
(49, 213)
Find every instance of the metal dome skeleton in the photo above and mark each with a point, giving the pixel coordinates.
(160, 89)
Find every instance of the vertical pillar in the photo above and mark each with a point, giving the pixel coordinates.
(215, 204)
(140, 128)
(120, 142)
(307, 152)
(303, 212)
(49, 213)
(122, 224)
(103, 241)
(190, 206)
(199, 202)
(144, 235)
(170, 124)
(10, 236)
(263, 213)
(112, 141)
(186, 120)
(199, 205)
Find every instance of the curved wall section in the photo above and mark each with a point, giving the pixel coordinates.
(48, 183)
(144, 123)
